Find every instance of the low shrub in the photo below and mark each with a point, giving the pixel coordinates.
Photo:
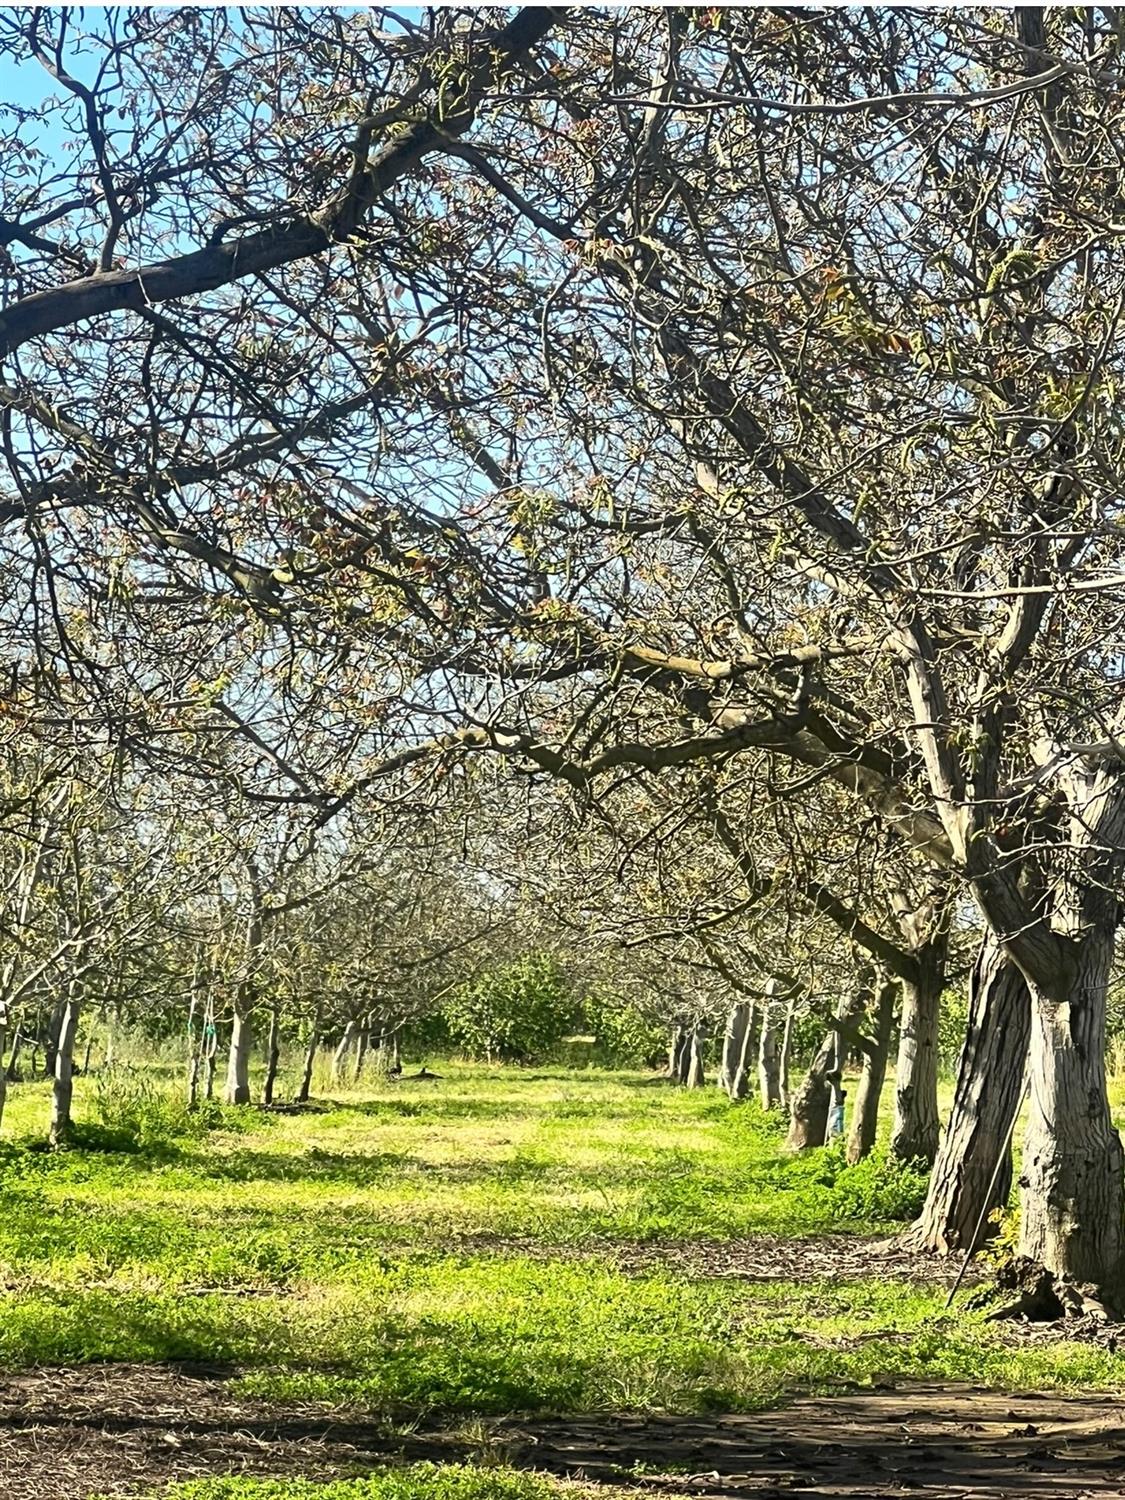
(878, 1187)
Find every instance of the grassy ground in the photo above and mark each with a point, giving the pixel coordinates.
(448, 1250)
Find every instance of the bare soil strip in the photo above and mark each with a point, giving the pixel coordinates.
(943, 1443)
(66, 1434)
(760, 1258)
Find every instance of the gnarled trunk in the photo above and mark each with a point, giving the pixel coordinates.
(62, 1094)
(973, 1171)
(873, 1070)
(1072, 1204)
(237, 1089)
(917, 1125)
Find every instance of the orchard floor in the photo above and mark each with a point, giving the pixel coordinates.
(503, 1285)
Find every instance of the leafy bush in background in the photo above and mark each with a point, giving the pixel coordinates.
(516, 1013)
(953, 1021)
(623, 1036)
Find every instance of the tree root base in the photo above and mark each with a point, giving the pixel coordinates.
(1029, 1291)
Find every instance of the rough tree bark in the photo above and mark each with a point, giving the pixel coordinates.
(917, 1124)
(875, 1048)
(62, 1094)
(1072, 1206)
(990, 1076)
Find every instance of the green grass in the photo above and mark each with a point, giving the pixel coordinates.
(431, 1250)
(418, 1482)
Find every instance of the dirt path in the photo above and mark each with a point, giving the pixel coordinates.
(941, 1443)
(757, 1258)
(117, 1429)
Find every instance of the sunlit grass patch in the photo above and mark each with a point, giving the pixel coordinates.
(416, 1482)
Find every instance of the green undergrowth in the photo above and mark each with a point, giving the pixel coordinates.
(418, 1482)
(449, 1248)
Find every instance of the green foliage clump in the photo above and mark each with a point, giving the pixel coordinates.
(878, 1187)
(623, 1036)
(132, 1112)
(516, 1013)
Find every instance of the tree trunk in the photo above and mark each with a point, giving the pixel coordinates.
(811, 1101)
(111, 1035)
(210, 1048)
(340, 1056)
(310, 1059)
(273, 1055)
(740, 1087)
(786, 1051)
(363, 1041)
(990, 1075)
(51, 1040)
(769, 1061)
(675, 1042)
(194, 1051)
(5, 1072)
(695, 1078)
(738, 1018)
(917, 1125)
(1072, 1204)
(237, 1089)
(683, 1058)
(873, 1071)
(12, 1071)
(62, 1094)
(808, 1108)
